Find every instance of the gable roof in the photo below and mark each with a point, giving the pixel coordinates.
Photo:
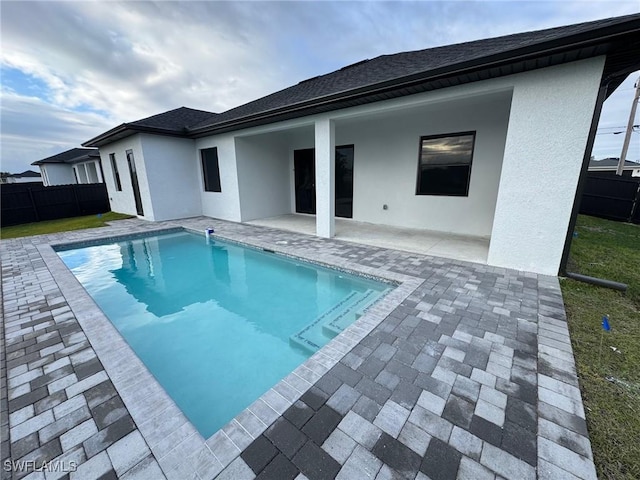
(173, 123)
(611, 164)
(391, 76)
(25, 174)
(175, 120)
(70, 156)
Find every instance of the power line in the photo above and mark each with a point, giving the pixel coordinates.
(623, 126)
(615, 133)
(634, 129)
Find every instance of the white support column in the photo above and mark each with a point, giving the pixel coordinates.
(325, 177)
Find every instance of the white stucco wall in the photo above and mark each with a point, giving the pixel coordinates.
(123, 201)
(173, 182)
(548, 128)
(386, 150)
(263, 176)
(59, 173)
(24, 179)
(225, 204)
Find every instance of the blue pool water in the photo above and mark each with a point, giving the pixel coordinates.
(217, 324)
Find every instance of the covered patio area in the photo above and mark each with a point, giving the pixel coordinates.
(426, 242)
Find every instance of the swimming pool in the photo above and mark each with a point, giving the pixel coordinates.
(217, 323)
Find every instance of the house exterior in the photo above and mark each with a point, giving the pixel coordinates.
(609, 166)
(28, 176)
(454, 139)
(75, 166)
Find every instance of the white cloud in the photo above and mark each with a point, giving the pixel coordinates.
(33, 129)
(135, 59)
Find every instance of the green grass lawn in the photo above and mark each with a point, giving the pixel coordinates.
(610, 380)
(61, 225)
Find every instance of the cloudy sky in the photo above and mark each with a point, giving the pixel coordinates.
(72, 70)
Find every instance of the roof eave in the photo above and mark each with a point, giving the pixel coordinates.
(46, 161)
(101, 139)
(126, 130)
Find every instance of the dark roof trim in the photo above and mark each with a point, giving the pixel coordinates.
(69, 156)
(172, 123)
(585, 40)
(126, 130)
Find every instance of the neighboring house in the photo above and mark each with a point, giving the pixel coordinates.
(484, 138)
(609, 166)
(28, 176)
(78, 165)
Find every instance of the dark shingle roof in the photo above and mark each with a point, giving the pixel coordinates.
(26, 174)
(177, 120)
(70, 156)
(173, 123)
(390, 68)
(390, 76)
(612, 162)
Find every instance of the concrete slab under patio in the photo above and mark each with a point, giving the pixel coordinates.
(462, 371)
(438, 244)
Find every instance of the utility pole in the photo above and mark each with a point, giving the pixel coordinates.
(627, 136)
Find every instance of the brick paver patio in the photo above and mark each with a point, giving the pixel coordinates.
(463, 371)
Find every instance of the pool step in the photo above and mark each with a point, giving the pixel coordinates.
(333, 321)
(346, 318)
(311, 337)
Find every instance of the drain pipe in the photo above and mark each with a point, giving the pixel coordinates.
(601, 282)
(602, 94)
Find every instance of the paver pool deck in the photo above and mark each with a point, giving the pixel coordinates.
(462, 371)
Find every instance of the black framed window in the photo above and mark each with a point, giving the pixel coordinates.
(210, 170)
(444, 165)
(116, 174)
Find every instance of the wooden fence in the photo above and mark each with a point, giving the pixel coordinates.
(26, 203)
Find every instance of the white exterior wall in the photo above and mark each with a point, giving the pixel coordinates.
(173, 182)
(263, 176)
(23, 179)
(124, 202)
(548, 128)
(386, 151)
(225, 204)
(59, 173)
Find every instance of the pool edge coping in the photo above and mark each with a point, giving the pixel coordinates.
(177, 445)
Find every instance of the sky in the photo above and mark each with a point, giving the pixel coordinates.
(72, 70)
